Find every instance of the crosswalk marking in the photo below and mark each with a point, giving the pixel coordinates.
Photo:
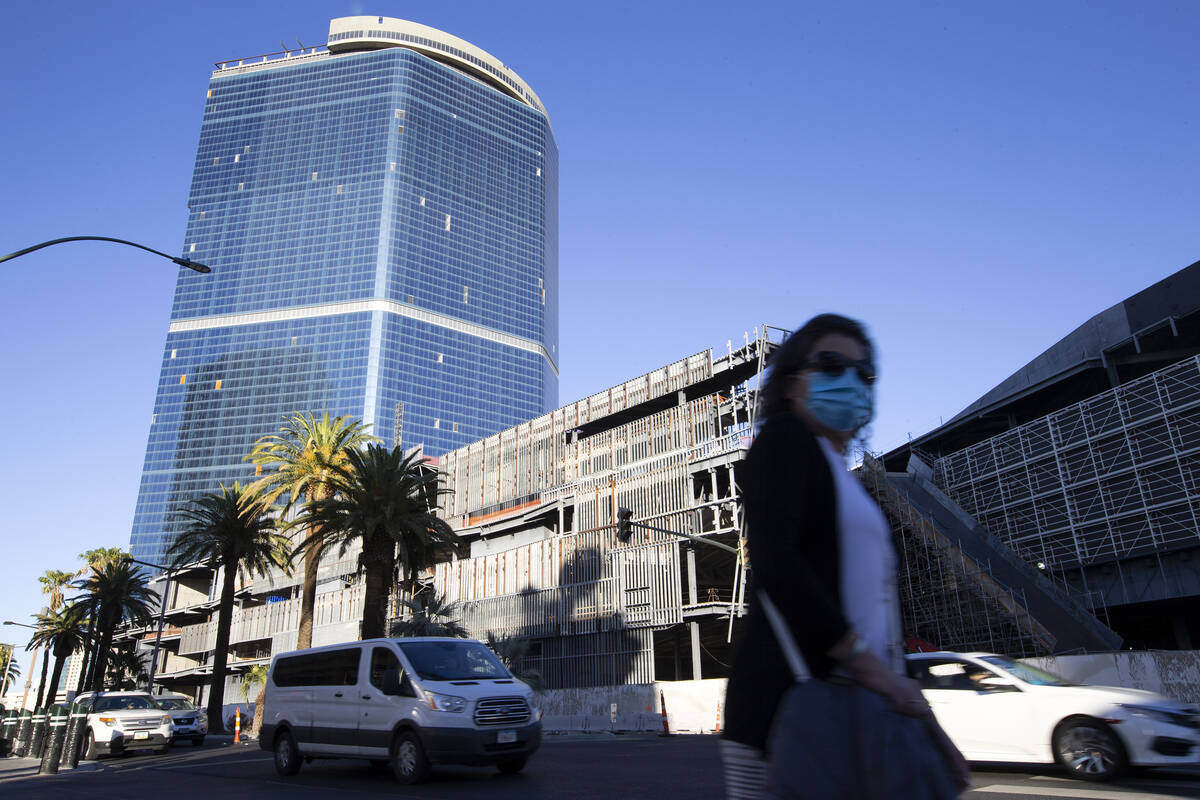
(1064, 791)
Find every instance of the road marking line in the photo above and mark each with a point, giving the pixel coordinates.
(1086, 794)
(214, 763)
(1149, 782)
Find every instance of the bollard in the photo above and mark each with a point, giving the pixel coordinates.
(23, 730)
(75, 724)
(56, 729)
(8, 732)
(37, 735)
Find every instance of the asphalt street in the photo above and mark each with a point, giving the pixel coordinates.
(577, 766)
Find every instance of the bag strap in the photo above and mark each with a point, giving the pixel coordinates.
(787, 642)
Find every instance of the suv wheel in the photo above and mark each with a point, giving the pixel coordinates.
(88, 748)
(1089, 750)
(409, 764)
(287, 755)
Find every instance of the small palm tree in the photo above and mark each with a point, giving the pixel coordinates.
(303, 457)
(115, 591)
(432, 616)
(227, 529)
(256, 676)
(125, 669)
(62, 632)
(10, 672)
(512, 651)
(384, 501)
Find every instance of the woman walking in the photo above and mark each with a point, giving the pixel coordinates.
(821, 555)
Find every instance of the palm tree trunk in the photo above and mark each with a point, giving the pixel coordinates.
(260, 708)
(379, 557)
(59, 660)
(85, 669)
(104, 644)
(308, 592)
(216, 694)
(42, 686)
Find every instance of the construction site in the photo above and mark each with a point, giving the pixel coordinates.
(538, 505)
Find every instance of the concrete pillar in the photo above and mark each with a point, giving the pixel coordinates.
(693, 598)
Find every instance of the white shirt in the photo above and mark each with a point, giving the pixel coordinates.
(870, 599)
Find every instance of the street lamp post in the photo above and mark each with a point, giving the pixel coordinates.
(183, 262)
(162, 610)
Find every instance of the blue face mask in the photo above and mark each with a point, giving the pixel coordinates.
(839, 402)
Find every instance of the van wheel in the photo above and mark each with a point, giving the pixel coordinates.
(511, 766)
(287, 755)
(409, 763)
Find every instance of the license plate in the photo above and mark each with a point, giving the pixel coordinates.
(141, 735)
(506, 737)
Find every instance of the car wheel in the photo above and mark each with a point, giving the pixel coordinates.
(197, 741)
(1089, 750)
(511, 766)
(287, 755)
(88, 748)
(409, 763)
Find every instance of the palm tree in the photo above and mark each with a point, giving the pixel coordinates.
(115, 591)
(384, 501)
(62, 632)
(94, 560)
(512, 651)
(10, 672)
(256, 676)
(125, 669)
(53, 583)
(227, 529)
(433, 617)
(305, 454)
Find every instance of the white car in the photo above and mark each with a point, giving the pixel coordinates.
(995, 708)
(187, 721)
(122, 721)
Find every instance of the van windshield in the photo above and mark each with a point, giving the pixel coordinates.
(452, 661)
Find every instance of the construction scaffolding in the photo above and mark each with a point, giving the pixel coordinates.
(538, 503)
(1110, 478)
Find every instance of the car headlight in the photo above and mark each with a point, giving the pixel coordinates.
(202, 716)
(1159, 714)
(167, 719)
(445, 702)
(109, 721)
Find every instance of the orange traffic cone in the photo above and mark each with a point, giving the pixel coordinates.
(662, 702)
(237, 725)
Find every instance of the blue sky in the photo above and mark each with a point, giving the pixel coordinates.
(973, 180)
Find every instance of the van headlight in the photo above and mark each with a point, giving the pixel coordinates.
(446, 702)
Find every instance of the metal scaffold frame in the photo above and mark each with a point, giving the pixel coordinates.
(1112, 477)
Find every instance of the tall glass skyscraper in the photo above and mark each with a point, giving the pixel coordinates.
(381, 220)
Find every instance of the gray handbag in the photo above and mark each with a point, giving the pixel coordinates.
(832, 740)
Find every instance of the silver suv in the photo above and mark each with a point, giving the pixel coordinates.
(122, 721)
(188, 721)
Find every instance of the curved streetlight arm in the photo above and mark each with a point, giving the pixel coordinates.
(183, 262)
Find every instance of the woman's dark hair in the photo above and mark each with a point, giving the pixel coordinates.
(791, 356)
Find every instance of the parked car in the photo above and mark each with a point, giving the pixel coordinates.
(408, 703)
(187, 721)
(995, 708)
(118, 722)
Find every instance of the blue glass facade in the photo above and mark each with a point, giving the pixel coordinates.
(382, 230)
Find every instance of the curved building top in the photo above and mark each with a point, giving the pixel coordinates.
(348, 34)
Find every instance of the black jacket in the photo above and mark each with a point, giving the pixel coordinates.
(791, 515)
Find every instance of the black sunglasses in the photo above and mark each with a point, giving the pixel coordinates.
(836, 364)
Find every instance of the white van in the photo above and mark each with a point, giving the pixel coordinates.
(408, 703)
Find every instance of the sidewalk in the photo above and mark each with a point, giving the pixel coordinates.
(12, 768)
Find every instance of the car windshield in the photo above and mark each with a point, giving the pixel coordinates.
(1031, 675)
(453, 661)
(131, 701)
(175, 704)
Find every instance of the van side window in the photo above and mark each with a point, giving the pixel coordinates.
(330, 668)
(385, 670)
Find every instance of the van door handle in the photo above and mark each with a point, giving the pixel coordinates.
(337, 694)
(366, 697)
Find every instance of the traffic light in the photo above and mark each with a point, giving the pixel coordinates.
(624, 531)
